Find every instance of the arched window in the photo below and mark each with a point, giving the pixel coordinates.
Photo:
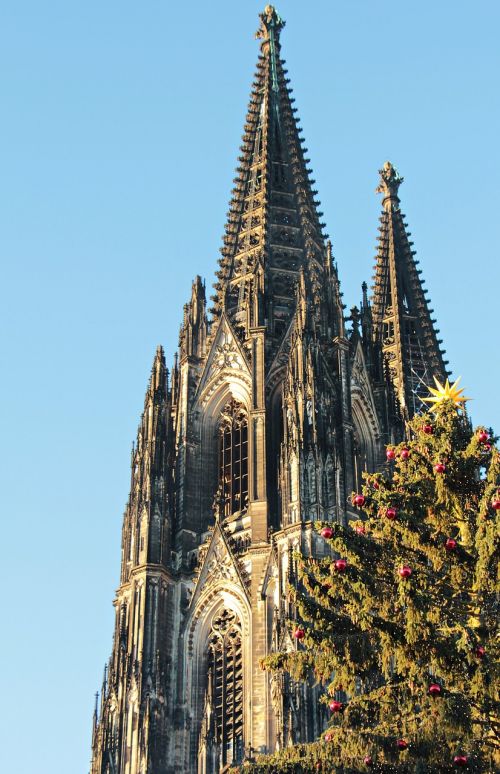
(225, 686)
(233, 459)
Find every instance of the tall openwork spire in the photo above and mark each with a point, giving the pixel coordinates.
(273, 229)
(402, 321)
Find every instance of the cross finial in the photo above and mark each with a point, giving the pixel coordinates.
(271, 24)
(390, 180)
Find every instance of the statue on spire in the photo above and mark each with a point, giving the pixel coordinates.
(271, 24)
(390, 180)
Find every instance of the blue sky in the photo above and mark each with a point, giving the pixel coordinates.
(119, 135)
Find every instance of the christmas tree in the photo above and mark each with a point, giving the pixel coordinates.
(401, 623)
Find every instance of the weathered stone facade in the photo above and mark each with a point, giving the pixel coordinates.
(271, 413)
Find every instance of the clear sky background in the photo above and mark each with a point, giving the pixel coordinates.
(119, 132)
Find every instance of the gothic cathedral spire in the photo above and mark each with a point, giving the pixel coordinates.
(273, 229)
(402, 322)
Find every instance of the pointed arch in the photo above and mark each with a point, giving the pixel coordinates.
(366, 436)
(218, 638)
(210, 419)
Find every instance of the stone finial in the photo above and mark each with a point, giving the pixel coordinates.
(271, 24)
(390, 180)
(355, 318)
(364, 290)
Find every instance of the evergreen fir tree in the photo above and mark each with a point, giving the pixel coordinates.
(401, 622)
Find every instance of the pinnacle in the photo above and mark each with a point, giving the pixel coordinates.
(402, 320)
(157, 380)
(271, 24)
(390, 180)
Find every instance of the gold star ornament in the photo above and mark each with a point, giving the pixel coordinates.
(445, 392)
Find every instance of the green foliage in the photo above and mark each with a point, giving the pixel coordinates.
(377, 640)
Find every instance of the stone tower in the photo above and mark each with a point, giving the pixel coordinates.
(271, 413)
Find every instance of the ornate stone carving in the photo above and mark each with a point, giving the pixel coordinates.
(226, 355)
(220, 566)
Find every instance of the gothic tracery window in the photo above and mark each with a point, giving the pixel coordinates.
(225, 676)
(233, 458)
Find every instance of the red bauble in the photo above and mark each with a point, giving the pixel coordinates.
(368, 760)
(340, 565)
(360, 529)
(487, 447)
(335, 706)
(390, 454)
(435, 689)
(391, 513)
(405, 453)
(495, 504)
(450, 544)
(460, 760)
(359, 500)
(480, 651)
(405, 571)
(483, 436)
(427, 429)
(327, 532)
(328, 737)
(299, 633)
(439, 467)
(318, 766)
(402, 744)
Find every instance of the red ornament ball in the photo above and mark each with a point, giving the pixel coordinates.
(368, 760)
(328, 737)
(340, 565)
(495, 503)
(427, 429)
(483, 436)
(402, 744)
(439, 467)
(359, 500)
(487, 447)
(318, 766)
(390, 454)
(335, 706)
(405, 571)
(299, 633)
(405, 453)
(391, 513)
(480, 651)
(460, 760)
(327, 532)
(435, 689)
(450, 544)
(360, 529)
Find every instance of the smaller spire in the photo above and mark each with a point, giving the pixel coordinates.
(402, 322)
(95, 716)
(158, 380)
(364, 290)
(355, 319)
(104, 682)
(390, 180)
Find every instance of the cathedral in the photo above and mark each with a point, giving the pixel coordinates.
(276, 403)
